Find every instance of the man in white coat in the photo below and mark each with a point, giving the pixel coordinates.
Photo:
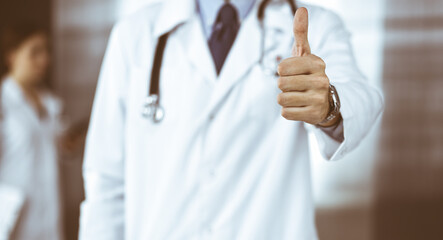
(230, 160)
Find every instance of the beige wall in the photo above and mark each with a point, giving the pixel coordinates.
(81, 29)
(410, 167)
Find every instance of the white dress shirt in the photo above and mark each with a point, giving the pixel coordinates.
(208, 11)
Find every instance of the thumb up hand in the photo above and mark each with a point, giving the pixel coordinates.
(303, 81)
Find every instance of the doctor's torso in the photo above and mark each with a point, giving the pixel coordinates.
(223, 164)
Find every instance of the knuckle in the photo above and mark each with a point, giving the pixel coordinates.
(321, 82)
(321, 63)
(324, 83)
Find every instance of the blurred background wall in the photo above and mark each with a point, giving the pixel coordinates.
(80, 32)
(389, 188)
(344, 190)
(409, 174)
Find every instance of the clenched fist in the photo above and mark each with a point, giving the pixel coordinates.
(303, 81)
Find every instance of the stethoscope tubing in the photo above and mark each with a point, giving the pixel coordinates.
(152, 108)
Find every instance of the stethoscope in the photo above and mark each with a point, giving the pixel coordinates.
(152, 108)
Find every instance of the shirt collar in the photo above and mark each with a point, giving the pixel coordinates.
(209, 9)
(175, 12)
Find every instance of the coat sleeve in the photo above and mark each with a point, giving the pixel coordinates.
(361, 103)
(102, 212)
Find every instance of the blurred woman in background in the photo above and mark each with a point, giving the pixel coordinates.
(30, 126)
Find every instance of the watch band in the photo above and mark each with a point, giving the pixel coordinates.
(334, 105)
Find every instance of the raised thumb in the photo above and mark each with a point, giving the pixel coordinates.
(301, 45)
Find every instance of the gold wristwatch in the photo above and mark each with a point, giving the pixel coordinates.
(334, 105)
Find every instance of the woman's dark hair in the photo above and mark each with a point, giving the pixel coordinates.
(12, 37)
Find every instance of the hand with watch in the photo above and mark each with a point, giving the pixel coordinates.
(307, 94)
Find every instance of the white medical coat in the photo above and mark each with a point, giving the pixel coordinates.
(223, 164)
(28, 161)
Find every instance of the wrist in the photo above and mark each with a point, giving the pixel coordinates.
(333, 117)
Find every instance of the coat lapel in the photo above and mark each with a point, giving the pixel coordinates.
(187, 32)
(244, 54)
(193, 42)
(247, 49)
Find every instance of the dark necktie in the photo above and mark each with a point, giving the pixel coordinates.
(223, 34)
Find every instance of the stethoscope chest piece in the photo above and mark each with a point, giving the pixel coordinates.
(152, 109)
